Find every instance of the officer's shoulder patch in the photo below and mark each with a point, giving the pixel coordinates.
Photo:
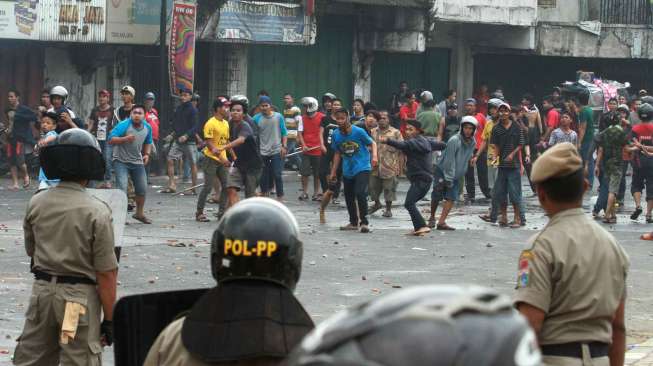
(524, 270)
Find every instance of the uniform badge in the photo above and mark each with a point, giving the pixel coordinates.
(523, 275)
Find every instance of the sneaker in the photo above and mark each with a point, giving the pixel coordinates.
(365, 229)
(635, 215)
(349, 227)
(335, 201)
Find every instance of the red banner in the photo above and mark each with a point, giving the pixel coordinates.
(182, 47)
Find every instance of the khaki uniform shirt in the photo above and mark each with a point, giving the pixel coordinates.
(68, 232)
(576, 273)
(169, 350)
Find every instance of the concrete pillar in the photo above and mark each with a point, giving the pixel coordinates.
(462, 67)
(362, 67)
(228, 69)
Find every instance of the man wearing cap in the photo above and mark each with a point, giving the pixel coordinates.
(100, 122)
(273, 138)
(481, 164)
(152, 118)
(571, 283)
(184, 126)
(127, 94)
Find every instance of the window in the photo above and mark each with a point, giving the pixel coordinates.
(546, 3)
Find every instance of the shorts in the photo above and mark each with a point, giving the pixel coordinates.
(642, 178)
(16, 153)
(614, 181)
(187, 151)
(244, 179)
(136, 172)
(310, 165)
(446, 193)
(386, 186)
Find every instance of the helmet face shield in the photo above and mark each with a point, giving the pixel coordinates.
(75, 156)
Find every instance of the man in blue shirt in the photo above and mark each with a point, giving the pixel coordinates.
(350, 144)
(273, 138)
(132, 142)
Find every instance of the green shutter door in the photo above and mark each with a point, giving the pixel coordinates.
(429, 71)
(305, 70)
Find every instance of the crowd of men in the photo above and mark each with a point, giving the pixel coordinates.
(437, 146)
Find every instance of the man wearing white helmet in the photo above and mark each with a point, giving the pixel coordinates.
(452, 166)
(310, 138)
(58, 96)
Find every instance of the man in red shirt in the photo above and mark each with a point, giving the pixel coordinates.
(481, 164)
(152, 117)
(552, 117)
(482, 97)
(309, 137)
(408, 111)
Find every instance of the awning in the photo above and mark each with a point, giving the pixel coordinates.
(401, 3)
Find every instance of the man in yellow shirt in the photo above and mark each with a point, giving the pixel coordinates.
(216, 163)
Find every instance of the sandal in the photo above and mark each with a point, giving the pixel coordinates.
(485, 218)
(647, 236)
(610, 220)
(143, 219)
(445, 227)
(192, 192)
(212, 200)
(503, 224)
(376, 207)
(422, 231)
(387, 214)
(514, 225)
(168, 190)
(317, 197)
(303, 197)
(431, 223)
(200, 217)
(26, 184)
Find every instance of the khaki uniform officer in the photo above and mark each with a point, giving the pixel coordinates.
(571, 284)
(69, 236)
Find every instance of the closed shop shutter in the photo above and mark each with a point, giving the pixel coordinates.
(22, 69)
(428, 71)
(305, 70)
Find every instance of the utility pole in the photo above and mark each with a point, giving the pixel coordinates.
(163, 65)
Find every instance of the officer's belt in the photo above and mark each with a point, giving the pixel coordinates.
(575, 350)
(70, 280)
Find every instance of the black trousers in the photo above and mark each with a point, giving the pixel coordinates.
(418, 189)
(356, 193)
(470, 180)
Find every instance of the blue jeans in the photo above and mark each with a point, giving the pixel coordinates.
(295, 159)
(587, 153)
(602, 200)
(272, 169)
(134, 171)
(107, 153)
(508, 184)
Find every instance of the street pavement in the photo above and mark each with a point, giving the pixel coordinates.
(340, 269)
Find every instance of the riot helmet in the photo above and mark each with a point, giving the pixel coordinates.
(76, 155)
(424, 325)
(195, 98)
(257, 238)
(645, 112)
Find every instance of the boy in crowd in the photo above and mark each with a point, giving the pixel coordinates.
(451, 167)
(350, 145)
(418, 151)
(310, 137)
(564, 133)
(48, 126)
(100, 123)
(132, 140)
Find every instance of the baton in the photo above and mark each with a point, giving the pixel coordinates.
(189, 189)
(299, 152)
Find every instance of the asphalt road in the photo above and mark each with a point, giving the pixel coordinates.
(340, 268)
